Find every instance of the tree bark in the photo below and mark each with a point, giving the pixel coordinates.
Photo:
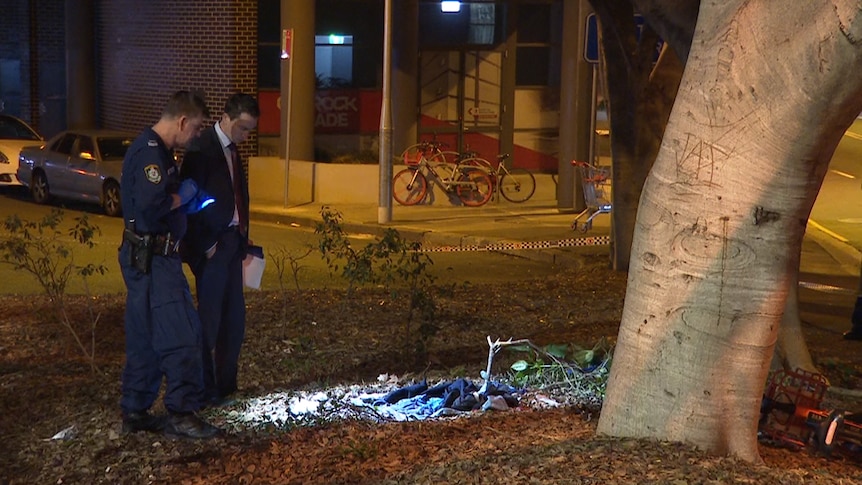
(791, 351)
(767, 93)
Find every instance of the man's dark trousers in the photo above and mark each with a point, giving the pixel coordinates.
(221, 306)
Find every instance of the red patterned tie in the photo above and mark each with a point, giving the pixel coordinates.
(237, 191)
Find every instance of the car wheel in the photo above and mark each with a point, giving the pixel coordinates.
(39, 188)
(111, 201)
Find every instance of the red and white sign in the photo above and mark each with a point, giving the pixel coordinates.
(286, 43)
(347, 111)
(335, 111)
(482, 113)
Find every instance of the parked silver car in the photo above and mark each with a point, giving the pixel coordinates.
(15, 134)
(80, 165)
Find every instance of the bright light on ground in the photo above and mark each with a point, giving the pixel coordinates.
(297, 408)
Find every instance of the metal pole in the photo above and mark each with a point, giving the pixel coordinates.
(289, 61)
(384, 207)
(593, 106)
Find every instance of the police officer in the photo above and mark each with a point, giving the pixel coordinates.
(163, 335)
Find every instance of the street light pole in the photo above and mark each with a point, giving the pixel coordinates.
(384, 207)
(287, 57)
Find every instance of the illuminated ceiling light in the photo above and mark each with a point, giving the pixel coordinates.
(447, 6)
(336, 39)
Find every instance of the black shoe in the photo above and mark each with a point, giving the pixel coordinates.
(854, 334)
(189, 426)
(143, 421)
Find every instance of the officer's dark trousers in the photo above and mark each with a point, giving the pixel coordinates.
(221, 306)
(162, 337)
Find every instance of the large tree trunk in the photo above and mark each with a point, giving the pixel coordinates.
(768, 90)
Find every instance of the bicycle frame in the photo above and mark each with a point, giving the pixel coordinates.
(515, 185)
(472, 186)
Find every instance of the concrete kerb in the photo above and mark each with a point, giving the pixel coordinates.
(848, 257)
(431, 239)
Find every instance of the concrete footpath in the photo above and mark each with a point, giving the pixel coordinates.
(538, 230)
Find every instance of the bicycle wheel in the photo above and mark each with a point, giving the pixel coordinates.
(485, 166)
(479, 189)
(518, 185)
(409, 187)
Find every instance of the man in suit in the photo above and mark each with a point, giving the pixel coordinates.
(216, 242)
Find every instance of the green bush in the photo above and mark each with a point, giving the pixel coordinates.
(39, 248)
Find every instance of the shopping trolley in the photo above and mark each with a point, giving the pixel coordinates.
(791, 415)
(597, 181)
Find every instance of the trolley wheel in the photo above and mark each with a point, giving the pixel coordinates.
(478, 191)
(518, 185)
(409, 187)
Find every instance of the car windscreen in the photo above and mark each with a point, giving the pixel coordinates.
(12, 129)
(113, 148)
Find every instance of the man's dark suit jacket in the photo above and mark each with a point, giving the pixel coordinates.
(205, 162)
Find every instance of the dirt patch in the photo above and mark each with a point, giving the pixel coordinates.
(311, 339)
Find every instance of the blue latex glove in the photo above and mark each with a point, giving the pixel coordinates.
(199, 202)
(187, 191)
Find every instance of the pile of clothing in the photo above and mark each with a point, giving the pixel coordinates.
(419, 401)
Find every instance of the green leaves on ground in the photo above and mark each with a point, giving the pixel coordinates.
(567, 370)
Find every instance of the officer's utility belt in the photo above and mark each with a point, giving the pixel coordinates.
(144, 246)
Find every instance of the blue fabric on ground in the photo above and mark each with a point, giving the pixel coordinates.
(418, 401)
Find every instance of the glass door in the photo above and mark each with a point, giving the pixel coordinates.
(460, 100)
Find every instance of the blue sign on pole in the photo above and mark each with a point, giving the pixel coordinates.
(591, 43)
(591, 46)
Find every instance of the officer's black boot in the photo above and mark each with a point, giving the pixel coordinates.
(142, 421)
(189, 426)
(855, 332)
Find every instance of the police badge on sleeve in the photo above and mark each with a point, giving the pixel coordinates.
(153, 173)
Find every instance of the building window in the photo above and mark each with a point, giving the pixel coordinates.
(538, 48)
(475, 24)
(333, 61)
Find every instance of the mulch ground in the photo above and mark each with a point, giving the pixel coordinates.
(302, 340)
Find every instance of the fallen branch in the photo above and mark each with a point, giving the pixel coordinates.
(497, 345)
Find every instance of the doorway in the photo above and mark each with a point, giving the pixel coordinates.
(461, 99)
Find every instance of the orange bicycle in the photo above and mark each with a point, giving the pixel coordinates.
(472, 186)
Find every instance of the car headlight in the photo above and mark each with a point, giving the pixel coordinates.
(3, 158)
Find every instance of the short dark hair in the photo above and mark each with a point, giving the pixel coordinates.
(240, 103)
(186, 103)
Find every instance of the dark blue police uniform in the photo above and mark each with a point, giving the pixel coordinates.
(163, 335)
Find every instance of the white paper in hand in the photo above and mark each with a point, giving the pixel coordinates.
(253, 266)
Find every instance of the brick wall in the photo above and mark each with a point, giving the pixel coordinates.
(15, 58)
(49, 110)
(33, 41)
(149, 49)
